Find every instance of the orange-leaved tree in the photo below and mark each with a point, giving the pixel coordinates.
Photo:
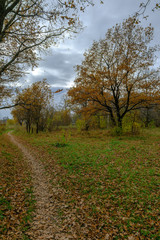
(31, 103)
(117, 74)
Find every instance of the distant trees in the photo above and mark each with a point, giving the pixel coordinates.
(32, 103)
(117, 74)
(61, 117)
(150, 115)
(27, 27)
(34, 108)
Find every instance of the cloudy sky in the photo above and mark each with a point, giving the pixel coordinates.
(57, 65)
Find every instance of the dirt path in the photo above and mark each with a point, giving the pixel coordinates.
(44, 224)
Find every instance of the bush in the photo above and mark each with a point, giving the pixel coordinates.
(132, 123)
(80, 124)
(10, 122)
(136, 128)
(2, 129)
(103, 122)
(152, 124)
(116, 131)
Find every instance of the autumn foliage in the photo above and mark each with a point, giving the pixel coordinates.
(16, 195)
(27, 28)
(117, 74)
(32, 102)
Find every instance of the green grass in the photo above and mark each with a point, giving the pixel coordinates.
(117, 179)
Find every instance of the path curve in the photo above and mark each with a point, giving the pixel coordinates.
(44, 225)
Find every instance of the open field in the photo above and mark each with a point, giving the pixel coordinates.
(110, 185)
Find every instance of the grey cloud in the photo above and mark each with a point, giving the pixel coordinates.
(60, 59)
(57, 67)
(51, 79)
(101, 17)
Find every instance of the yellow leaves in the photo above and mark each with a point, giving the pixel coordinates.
(32, 101)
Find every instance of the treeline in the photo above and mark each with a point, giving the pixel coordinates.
(34, 109)
(133, 122)
(117, 85)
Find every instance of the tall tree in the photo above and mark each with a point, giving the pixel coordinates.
(117, 74)
(27, 27)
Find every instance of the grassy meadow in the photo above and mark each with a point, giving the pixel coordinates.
(111, 184)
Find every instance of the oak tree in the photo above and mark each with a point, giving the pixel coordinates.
(117, 74)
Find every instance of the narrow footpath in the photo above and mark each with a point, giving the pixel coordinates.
(45, 224)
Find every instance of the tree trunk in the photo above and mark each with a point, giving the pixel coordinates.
(119, 122)
(147, 117)
(2, 17)
(86, 126)
(37, 129)
(112, 118)
(29, 127)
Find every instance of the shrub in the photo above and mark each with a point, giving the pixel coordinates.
(80, 124)
(2, 129)
(132, 123)
(116, 131)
